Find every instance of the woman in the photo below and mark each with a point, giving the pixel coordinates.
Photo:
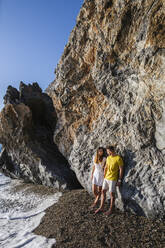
(98, 174)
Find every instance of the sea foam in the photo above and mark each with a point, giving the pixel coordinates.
(20, 213)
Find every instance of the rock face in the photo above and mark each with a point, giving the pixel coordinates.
(110, 89)
(27, 123)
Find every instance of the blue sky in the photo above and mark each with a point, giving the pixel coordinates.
(33, 34)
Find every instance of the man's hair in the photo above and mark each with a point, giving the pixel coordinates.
(111, 148)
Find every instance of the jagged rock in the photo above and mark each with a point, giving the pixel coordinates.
(27, 123)
(110, 89)
(6, 164)
(11, 96)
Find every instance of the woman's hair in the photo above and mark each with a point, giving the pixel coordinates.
(97, 157)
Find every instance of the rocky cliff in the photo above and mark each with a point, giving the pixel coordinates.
(27, 123)
(110, 89)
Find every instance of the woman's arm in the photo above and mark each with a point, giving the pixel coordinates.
(104, 164)
(93, 169)
(105, 169)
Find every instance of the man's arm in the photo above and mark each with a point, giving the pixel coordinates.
(121, 170)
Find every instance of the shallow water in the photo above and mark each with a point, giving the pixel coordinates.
(20, 213)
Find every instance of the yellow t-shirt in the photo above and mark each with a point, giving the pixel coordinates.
(113, 163)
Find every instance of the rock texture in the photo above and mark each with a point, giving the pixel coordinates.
(27, 123)
(110, 89)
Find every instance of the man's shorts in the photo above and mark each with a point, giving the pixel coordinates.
(109, 185)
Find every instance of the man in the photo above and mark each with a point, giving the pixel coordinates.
(113, 173)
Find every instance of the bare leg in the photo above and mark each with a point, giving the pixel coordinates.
(112, 194)
(103, 198)
(95, 192)
(99, 188)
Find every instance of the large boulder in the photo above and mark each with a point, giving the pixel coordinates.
(110, 89)
(27, 123)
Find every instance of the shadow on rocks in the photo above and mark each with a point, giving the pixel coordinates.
(127, 191)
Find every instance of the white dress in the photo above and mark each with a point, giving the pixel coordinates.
(98, 175)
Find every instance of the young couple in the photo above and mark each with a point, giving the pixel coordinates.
(107, 173)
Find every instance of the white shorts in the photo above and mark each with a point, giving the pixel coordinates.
(109, 184)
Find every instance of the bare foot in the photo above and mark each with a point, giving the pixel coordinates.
(108, 212)
(98, 210)
(92, 206)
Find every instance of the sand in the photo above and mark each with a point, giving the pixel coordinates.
(73, 224)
